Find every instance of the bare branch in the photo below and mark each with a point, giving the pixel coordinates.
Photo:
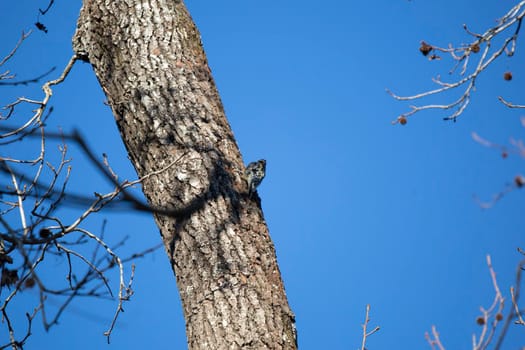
(515, 297)
(433, 340)
(509, 104)
(36, 118)
(514, 312)
(366, 334)
(23, 37)
(494, 313)
(463, 54)
(40, 231)
(122, 296)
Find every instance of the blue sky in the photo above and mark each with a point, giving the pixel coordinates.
(360, 211)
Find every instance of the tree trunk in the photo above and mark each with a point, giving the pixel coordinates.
(149, 60)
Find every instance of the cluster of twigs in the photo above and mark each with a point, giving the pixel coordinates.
(493, 319)
(483, 50)
(32, 191)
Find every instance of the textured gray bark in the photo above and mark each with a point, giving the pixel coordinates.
(149, 60)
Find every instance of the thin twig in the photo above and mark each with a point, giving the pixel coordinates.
(509, 104)
(364, 326)
(434, 340)
(13, 51)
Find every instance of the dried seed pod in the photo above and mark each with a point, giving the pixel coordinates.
(425, 48)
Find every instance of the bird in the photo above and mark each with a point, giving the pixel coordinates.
(255, 173)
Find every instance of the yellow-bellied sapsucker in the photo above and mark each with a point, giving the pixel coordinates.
(255, 172)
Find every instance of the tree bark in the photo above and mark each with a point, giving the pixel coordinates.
(149, 60)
